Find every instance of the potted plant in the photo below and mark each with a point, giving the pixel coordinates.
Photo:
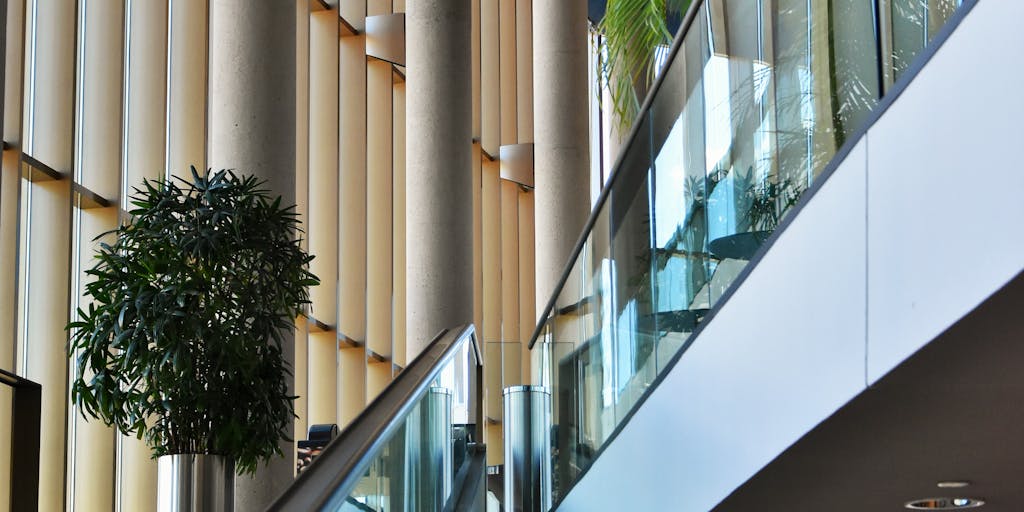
(182, 341)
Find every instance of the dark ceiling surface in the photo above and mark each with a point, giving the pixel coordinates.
(953, 411)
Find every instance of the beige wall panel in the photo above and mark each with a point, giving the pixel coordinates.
(527, 280)
(145, 138)
(351, 384)
(92, 450)
(509, 262)
(378, 7)
(322, 230)
(302, 50)
(478, 242)
(322, 383)
(507, 82)
(100, 100)
(475, 65)
(13, 52)
(511, 364)
(524, 71)
(398, 6)
(491, 252)
(490, 99)
(52, 93)
(8, 252)
(145, 132)
(46, 312)
(302, 204)
(378, 376)
(9, 179)
(491, 287)
(352, 189)
(379, 207)
(399, 333)
(186, 87)
(492, 382)
(493, 437)
(301, 370)
(136, 482)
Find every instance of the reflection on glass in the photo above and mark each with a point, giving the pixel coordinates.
(416, 467)
(757, 101)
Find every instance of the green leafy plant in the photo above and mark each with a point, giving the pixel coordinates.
(633, 31)
(182, 342)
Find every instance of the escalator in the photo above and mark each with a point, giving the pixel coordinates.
(415, 447)
(722, 278)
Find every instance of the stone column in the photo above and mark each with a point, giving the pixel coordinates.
(561, 135)
(251, 123)
(439, 213)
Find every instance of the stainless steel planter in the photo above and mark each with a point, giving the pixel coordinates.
(527, 423)
(195, 483)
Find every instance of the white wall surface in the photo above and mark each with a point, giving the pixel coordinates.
(922, 221)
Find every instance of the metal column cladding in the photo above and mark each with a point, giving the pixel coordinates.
(527, 448)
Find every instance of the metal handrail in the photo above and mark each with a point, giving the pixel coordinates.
(343, 461)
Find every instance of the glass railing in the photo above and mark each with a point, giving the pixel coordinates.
(756, 99)
(413, 448)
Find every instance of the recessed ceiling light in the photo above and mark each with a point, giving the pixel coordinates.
(953, 484)
(944, 504)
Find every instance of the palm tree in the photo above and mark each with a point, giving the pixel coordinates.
(633, 31)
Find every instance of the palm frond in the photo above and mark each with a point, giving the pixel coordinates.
(633, 31)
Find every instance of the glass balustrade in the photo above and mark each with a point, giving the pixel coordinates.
(414, 447)
(754, 103)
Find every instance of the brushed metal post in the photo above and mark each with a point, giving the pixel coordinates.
(527, 448)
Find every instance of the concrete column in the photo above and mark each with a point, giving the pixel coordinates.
(561, 133)
(251, 121)
(439, 202)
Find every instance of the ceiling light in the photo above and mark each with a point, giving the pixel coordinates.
(953, 484)
(944, 504)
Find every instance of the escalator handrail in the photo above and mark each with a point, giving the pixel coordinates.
(343, 461)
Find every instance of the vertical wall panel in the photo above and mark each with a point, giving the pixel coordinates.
(9, 181)
(92, 444)
(322, 388)
(490, 99)
(145, 136)
(322, 229)
(475, 63)
(398, 216)
(100, 70)
(352, 391)
(145, 131)
(46, 240)
(302, 202)
(527, 283)
(478, 241)
(379, 156)
(46, 304)
(524, 71)
(97, 167)
(491, 327)
(323, 163)
(509, 261)
(352, 188)
(186, 86)
(507, 84)
(491, 251)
